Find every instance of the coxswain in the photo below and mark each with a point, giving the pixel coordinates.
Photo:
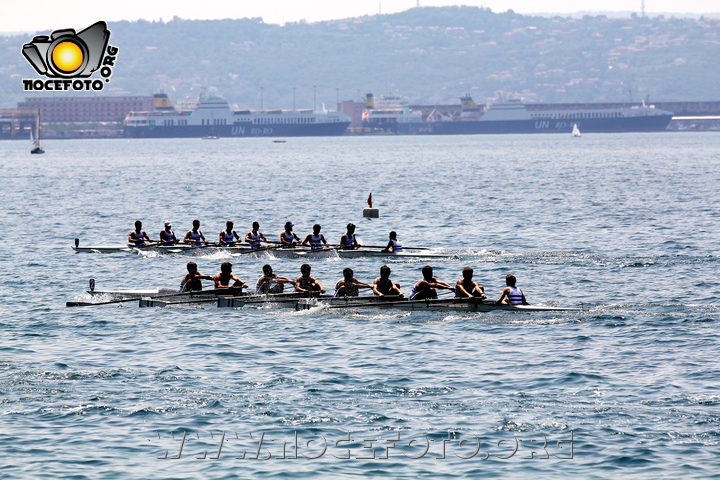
(383, 286)
(222, 279)
(393, 245)
(426, 288)
(195, 237)
(254, 236)
(229, 236)
(307, 284)
(270, 282)
(511, 295)
(287, 237)
(191, 282)
(348, 240)
(349, 286)
(167, 236)
(138, 237)
(467, 288)
(316, 240)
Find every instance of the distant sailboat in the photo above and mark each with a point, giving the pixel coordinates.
(35, 139)
(576, 131)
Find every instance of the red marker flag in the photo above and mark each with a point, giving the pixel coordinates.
(370, 200)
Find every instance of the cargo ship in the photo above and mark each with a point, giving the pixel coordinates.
(211, 116)
(516, 117)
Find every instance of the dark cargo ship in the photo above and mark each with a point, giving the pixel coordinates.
(517, 117)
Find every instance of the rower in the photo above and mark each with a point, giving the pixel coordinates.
(167, 236)
(222, 279)
(254, 236)
(307, 284)
(348, 240)
(195, 237)
(349, 286)
(191, 282)
(426, 288)
(138, 237)
(467, 288)
(287, 237)
(393, 245)
(316, 240)
(384, 286)
(511, 295)
(229, 236)
(270, 282)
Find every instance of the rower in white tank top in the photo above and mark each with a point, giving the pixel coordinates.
(316, 240)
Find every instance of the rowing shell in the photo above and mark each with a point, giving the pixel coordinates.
(444, 305)
(297, 252)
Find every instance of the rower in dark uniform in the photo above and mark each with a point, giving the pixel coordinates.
(229, 236)
(384, 286)
(467, 288)
(270, 282)
(222, 279)
(307, 284)
(349, 286)
(316, 240)
(167, 236)
(348, 240)
(254, 236)
(195, 237)
(191, 282)
(138, 237)
(426, 288)
(287, 237)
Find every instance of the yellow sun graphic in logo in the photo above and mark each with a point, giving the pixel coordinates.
(67, 56)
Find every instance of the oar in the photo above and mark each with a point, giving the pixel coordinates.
(404, 248)
(259, 250)
(125, 300)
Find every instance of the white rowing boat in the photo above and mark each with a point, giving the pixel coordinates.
(303, 253)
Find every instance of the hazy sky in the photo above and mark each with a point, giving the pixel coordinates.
(54, 14)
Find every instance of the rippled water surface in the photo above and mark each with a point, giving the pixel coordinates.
(625, 225)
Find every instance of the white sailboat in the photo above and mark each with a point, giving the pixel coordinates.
(576, 131)
(35, 139)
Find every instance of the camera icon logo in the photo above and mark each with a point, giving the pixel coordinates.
(66, 54)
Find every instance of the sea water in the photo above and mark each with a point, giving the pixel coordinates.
(625, 226)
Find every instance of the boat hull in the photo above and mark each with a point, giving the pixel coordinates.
(329, 129)
(651, 123)
(449, 305)
(298, 253)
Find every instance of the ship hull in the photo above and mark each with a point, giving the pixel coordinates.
(654, 123)
(237, 130)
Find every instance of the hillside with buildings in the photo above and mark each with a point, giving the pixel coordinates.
(428, 55)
